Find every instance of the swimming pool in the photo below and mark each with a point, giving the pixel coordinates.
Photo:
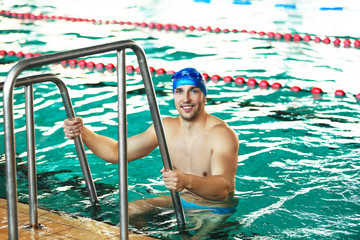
(298, 160)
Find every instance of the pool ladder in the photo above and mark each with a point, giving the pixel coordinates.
(8, 88)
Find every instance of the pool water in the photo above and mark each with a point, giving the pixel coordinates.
(298, 172)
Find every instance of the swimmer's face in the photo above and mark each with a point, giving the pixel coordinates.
(189, 101)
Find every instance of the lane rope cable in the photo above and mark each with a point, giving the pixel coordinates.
(346, 42)
(130, 69)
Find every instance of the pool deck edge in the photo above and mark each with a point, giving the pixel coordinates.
(59, 225)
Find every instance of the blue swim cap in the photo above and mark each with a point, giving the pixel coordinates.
(189, 76)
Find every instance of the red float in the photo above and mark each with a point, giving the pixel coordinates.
(151, 69)
(316, 90)
(158, 26)
(287, 36)
(206, 76)
(317, 39)
(10, 53)
(82, 63)
(151, 25)
(215, 78)
(295, 89)
(217, 30)
(28, 55)
(130, 69)
(347, 43)
(160, 71)
(263, 84)
(20, 54)
(271, 34)
(278, 35)
(167, 27)
(72, 62)
(339, 93)
(100, 66)
(297, 38)
(251, 82)
(110, 66)
(276, 86)
(306, 38)
(90, 64)
(337, 42)
(227, 79)
(63, 63)
(239, 80)
(326, 40)
(357, 43)
(174, 27)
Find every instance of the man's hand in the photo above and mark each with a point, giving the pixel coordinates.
(174, 179)
(73, 127)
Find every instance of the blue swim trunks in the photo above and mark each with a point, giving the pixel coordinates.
(217, 210)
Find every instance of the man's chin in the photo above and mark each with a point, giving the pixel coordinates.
(188, 117)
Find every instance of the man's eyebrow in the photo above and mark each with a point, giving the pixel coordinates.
(191, 88)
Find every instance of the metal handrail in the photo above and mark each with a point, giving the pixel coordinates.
(28, 82)
(150, 92)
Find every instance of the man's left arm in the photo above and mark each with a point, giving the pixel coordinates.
(225, 146)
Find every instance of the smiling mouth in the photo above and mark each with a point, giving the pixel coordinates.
(187, 108)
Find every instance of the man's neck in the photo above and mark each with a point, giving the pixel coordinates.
(194, 126)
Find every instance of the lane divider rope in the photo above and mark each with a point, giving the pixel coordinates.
(130, 69)
(346, 42)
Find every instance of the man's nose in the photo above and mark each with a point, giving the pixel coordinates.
(186, 97)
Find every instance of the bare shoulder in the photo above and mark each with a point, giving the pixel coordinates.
(221, 132)
(169, 120)
(170, 123)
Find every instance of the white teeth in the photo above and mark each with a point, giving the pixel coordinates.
(186, 107)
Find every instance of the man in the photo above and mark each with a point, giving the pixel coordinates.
(203, 150)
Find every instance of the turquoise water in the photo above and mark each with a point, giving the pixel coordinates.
(298, 171)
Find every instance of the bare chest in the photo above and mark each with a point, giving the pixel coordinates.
(191, 156)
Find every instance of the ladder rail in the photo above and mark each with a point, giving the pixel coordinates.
(8, 89)
(28, 82)
(122, 146)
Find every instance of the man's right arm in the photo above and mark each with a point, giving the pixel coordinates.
(107, 148)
